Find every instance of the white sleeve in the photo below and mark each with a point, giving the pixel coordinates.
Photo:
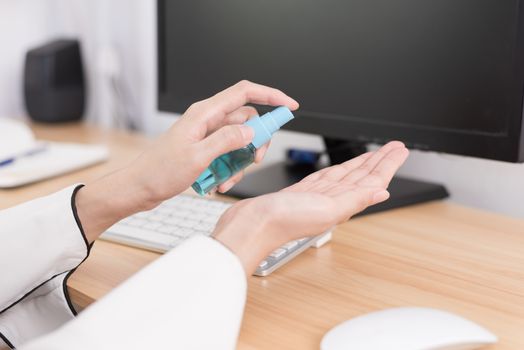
(190, 298)
(40, 244)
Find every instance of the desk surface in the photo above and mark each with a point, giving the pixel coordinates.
(437, 255)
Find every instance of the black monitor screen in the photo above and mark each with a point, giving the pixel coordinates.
(447, 65)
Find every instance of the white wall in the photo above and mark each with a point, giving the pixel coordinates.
(22, 25)
(113, 35)
(126, 28)
(487, 184)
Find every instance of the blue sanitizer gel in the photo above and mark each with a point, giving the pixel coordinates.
(227, 165)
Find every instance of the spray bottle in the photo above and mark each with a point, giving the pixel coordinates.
(227, 165)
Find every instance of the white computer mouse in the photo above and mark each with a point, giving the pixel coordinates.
(407, 328)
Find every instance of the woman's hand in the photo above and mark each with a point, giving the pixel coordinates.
(208, 129)
(254, 227)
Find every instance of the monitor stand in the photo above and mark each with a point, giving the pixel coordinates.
(277, 176)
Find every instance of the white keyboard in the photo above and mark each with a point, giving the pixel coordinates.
(183, 216)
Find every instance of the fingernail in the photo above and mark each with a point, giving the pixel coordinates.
(247, 133)
(380, 196)
(226, 187)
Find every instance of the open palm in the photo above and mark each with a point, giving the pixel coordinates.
(315, 204)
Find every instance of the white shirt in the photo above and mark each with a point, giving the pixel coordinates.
(190, 298)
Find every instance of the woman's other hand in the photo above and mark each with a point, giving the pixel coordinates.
(254, 227)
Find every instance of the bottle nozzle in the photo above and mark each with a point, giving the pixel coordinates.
(266, 125)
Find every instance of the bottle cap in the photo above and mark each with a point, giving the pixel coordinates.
(266, 125)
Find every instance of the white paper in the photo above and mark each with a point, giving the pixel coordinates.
(15, 139)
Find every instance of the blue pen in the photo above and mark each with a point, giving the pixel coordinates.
(11, 160)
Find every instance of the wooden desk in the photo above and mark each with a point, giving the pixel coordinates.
(437, 255)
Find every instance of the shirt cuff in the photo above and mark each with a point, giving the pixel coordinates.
(50, 245)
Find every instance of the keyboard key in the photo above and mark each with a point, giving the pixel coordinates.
(182, 232)
(158, 217)
(188, 223)
(167, 229)
(210, 219)
(197, 216)
(180, 213)
(164, 210)
(152, 225)
(204, 233)
(173, 221)
(262, 264)
(137, 222)
(203, 226)
(143, 214)
(277, 253)
(290, 245)
(142, 234)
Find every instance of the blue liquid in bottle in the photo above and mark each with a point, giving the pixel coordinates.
(227, 165)
(223, 168)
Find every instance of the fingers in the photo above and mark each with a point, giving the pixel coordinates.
(384, 171)
(355, 201)
(224, 140)
(323, 179)
(337, 172)
(261, 152)
(226, 186)
(238, 116)
(241, 115)
(367, 167)
(320, 180)
(217, 107)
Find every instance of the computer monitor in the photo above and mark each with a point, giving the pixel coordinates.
(441, 75)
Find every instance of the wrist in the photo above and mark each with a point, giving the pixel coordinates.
(106, 201)
(249, 237)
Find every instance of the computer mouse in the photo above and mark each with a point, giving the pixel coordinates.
(407, 328)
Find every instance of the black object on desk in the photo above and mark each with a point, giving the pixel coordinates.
(54, 86)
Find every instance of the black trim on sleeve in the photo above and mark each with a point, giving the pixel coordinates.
(66, 293)
(64, 284)
(31, 291)
(88, 247)
(77, 218)
(88, 250)
(6, 341)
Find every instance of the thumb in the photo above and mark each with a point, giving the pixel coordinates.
(363, 197)
(224, 140)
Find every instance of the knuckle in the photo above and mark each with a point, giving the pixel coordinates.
(363, 203)
(250, 110)
(243, 87)
(195, 107)
(232, 134)
(243, 84)
(198, 158)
